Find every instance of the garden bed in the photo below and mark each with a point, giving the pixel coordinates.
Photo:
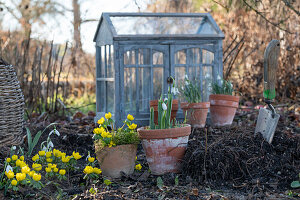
(238, 165)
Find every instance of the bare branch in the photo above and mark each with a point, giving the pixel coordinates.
(260, 14)
(289, 5)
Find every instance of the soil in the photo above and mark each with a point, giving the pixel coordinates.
(232, 163)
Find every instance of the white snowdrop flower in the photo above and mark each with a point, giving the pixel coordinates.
(50, 144)
(9, 168)
(186, 82)
(13, 147)
(174, 90)
(87, 157)
(219, 77)
(164, 106)
(55, 132)
(44, 149)
(186, 76)
(165, 99)
(231, 85)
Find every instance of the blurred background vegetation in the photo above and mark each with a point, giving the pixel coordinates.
(60, 78)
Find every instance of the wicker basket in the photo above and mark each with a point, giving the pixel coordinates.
(11, 106)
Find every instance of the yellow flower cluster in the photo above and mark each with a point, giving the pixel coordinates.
(90, 170)
(138, 167)
(76, 155)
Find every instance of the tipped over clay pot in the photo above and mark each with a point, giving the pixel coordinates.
(165, 148)
(196, 113)
(223, 109)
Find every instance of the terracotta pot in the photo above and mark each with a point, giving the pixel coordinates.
(154, 104)
(113, 160)
(223, 109)
(196, 113)
(165, 148)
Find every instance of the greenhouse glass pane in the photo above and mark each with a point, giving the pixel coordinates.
(129, 89)
(179, 75)
(158, 74)
(110, 96)
(180, 57)
(129, 57)
(100, 96)
(139, 25)
(144, 56)
(144, 88)
(207, 57)
(207, 80)
(158, 58)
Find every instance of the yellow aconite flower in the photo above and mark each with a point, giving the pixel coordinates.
(76, 155)
(109, 135)
(14, 182)
(36, 177)
(8, 160)
(18, 163)
(101, 121)
(65, 159)
(21, 158)
(57, 153)
(49, 159)
(138, 167)
(42, 153)
(111, 144)
(108, 115)
(31, 173)
(14, 157)
(63, 154)
(55, 169)
(130, 117)
(97, 170)
(91, 159)
(10, 174)
(62, 172)
(48, 169)
(97, 131)
(104, 134)
(20, 176)
(132, 126)
(48, 154)
(36, 157)
(51, 165)
(25, 169)
(88, 170)
(37, 167)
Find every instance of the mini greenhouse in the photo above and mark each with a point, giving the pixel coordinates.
(137, 52)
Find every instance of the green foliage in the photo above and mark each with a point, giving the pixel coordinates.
(33, 143)
(224, 88)
(191, 91)
(159, 182)
(152, 124)
(296, 184)
(106, 135)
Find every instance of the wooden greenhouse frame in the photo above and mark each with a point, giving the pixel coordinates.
(137, 52)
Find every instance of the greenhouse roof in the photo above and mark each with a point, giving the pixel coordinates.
(124, 26)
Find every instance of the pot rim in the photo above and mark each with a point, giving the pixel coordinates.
(164, 133)
(224, 97)
(200, 105)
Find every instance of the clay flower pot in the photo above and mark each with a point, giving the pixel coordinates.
(196, 113)
(165, 148)
(154, 104)
(113, 160)
(222, 109)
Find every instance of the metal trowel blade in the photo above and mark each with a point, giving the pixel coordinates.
(266, 124)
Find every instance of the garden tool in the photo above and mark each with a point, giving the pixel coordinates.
(268, 118)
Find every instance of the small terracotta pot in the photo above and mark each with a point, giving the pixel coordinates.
(113, 160)
(154, 104)
(196, 113)
(223, 108)
(165, 148)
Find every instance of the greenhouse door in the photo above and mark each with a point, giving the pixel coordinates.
(143, 73)
(198, 62)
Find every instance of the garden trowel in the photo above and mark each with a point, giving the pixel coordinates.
(267, 118)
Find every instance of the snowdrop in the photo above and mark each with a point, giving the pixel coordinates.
(55, 132)
(9, 168)
(174, 91)
(164, 106)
